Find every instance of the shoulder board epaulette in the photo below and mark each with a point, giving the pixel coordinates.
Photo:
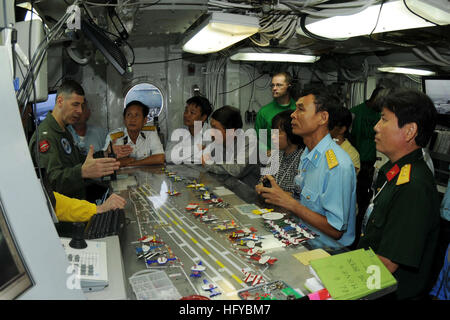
(405, 174)
(149, 128)
(116, 135)
(331, 159)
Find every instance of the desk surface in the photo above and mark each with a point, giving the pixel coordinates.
(151, 211)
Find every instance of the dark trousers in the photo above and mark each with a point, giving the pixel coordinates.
(363, 195)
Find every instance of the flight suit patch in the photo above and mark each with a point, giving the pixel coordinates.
(44, 145)
(405, 175)
(66, 146)
(331, 159)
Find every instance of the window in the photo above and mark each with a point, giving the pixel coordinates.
(149, 95)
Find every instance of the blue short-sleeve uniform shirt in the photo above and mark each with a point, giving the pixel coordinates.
(329, 192)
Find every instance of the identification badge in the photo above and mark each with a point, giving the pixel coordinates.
(66, 145)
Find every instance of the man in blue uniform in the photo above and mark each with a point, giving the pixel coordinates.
(326, 178)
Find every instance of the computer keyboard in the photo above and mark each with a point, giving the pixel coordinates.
(105, 224)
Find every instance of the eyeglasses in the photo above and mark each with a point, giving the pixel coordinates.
(277, 85)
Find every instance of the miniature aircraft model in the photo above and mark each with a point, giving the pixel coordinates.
(261, 211)
(252, 278)
(146, 251)
(213, 199)
(145, 239)
(208, 218)
(252, 251)
(200, 212)
(210, 287)
(161, 260)
(197, 270)
(191, 206)
(195, 185)
(225, 226)
(263, 259)
(173, 193)
(205, 196)
(238, 234)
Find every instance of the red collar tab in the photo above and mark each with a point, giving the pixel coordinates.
(392, 173)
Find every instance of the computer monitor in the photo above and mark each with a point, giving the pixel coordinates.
(438, 89)
(14, 276)
(42, 108)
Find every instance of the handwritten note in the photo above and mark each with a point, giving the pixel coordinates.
(346, 275)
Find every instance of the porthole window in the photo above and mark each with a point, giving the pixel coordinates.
(149, 95)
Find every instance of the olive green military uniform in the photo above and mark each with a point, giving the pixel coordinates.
(60, 158)
(404, 223)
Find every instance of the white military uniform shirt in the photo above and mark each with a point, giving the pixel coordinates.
(147, 143)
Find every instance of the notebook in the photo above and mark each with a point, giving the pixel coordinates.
(353, 275)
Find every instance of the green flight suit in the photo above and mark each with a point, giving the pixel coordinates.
(404, 223)
(266, 114)
(60, 158)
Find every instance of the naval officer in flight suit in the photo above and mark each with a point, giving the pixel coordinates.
(326, 183)
(67, 169)
(136, 144)
(401, 224)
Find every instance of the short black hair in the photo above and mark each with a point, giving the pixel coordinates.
(70, 86)
(229, 117)
(202, 103)
(409, 106)
(283, 121)
(340, 117)
(145, 109)
(323, 100)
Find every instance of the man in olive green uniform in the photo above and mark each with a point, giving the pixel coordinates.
(66, 169)
(402, 221)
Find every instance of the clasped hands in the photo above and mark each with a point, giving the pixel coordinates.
(274, 195)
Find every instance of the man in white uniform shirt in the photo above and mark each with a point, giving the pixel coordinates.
(136, 144)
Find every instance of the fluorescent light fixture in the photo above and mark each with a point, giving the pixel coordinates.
(393, 16)
(419, 72)
(220, 31)
(281, 57)
(437, 11)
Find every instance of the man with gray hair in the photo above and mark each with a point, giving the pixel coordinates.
(84, 135)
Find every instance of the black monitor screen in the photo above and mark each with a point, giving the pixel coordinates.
(438, 89)
(42, 108)
(14, 278)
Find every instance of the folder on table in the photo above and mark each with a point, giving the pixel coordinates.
(354, 275)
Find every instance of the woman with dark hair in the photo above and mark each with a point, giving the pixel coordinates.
(290, 148)
(231, 151)
(136, 144)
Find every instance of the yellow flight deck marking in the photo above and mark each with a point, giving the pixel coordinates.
(166, 210)
(220, 264)
(237, 279)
